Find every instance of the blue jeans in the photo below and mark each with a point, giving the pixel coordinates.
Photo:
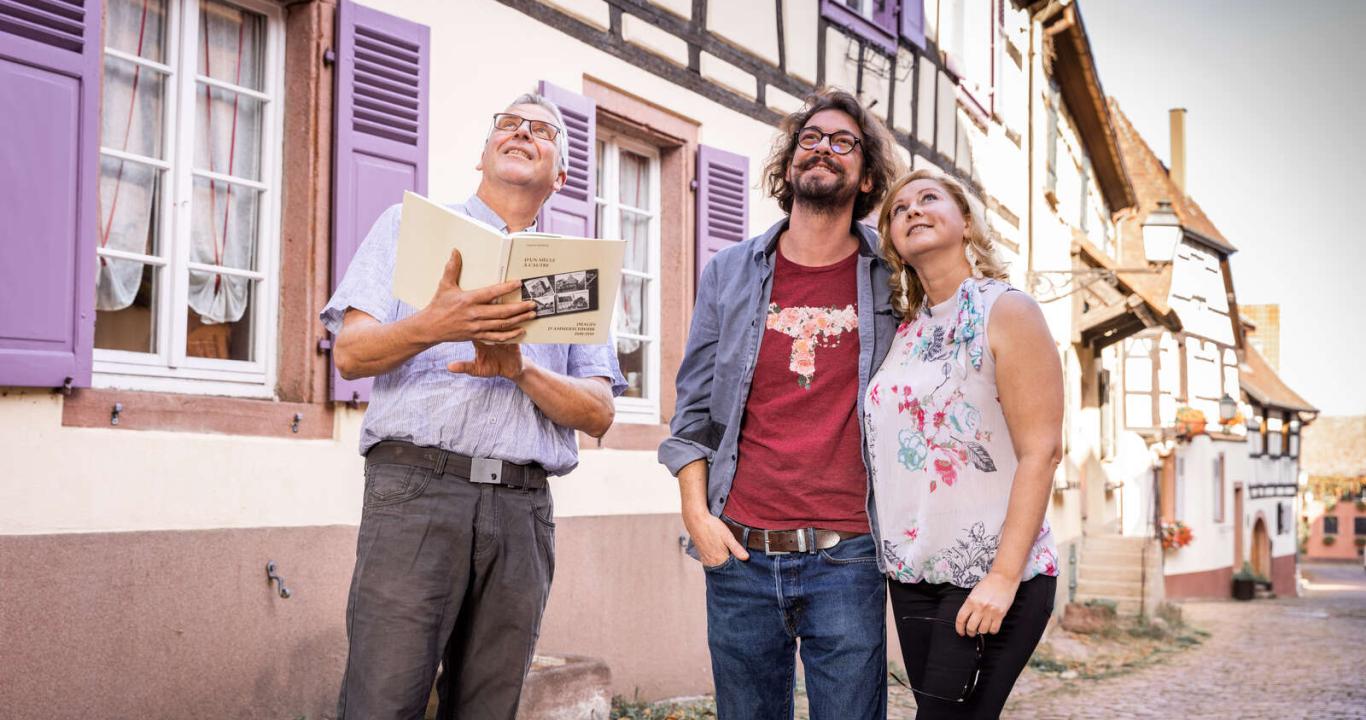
(832, 601)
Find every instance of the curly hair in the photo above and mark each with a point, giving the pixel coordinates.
(880, 161)
(980, 247)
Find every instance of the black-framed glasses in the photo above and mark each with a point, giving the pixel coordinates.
(842, 142)
(512, 122)
(940, 663)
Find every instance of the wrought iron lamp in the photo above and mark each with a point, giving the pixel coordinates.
(1228, 409)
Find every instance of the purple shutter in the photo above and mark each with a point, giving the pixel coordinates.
(913, 22)
(884, 16)
(379, 133)
(722, 202)
(879, 32)
(50, 56)
(573, 210)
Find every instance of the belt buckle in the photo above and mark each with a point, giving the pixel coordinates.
(486, 470)
(801, 544)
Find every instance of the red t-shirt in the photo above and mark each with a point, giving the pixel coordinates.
(800, 456)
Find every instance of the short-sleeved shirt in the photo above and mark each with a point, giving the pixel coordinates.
(422, 402)
(942, 459)
(801, 451)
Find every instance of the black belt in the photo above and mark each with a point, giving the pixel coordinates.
(782, 542)
(487, 471)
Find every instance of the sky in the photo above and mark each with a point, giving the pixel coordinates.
(1275, 94)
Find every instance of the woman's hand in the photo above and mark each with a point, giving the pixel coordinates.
(986, 605)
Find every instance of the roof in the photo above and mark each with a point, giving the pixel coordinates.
(1334, 446)
(1075, 70)
(1131, 298)
(1152, 183)
(1264, 386)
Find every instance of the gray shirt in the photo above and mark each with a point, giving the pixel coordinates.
(422, 402)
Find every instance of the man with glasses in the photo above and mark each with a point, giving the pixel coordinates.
(767, 438)
(456, 546)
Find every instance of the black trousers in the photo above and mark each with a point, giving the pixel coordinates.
(1004, 654)
(449, 572)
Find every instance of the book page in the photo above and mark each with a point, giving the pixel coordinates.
(427, 233)
(574, 282)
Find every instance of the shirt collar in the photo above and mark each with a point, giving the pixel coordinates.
(768, 242)
(479, 210)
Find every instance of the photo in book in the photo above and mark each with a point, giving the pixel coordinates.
(563, 293)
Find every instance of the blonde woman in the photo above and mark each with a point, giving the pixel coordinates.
(964, 431)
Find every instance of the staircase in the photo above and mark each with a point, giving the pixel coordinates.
(1112, 568)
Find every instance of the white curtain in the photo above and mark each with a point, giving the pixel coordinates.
(131, 122)
(228, 142)
(634, 191)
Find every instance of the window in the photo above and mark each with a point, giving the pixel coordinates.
(628, 207)
(1282, 518)
(1330, 525)
(1359, 526)
(187, 245)
(1218, 484)
(875, 21)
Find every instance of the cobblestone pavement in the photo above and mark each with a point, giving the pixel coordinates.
(1299, 657)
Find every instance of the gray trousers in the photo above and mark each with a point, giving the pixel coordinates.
(449, 572)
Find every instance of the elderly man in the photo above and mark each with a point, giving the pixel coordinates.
(767, 438)
(456, 548)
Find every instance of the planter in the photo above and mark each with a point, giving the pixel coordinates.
(1244, 589)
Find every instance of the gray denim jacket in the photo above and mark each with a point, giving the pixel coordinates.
(723, 344)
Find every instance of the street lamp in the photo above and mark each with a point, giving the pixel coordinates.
(1228, 407)
(1161, 233)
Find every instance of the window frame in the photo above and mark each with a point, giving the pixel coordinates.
(169, 369)
(863, 23)
(645, 409)
(1335, 529)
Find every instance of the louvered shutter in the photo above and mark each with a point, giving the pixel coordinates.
(913, 22)
(50, 55)
(722, 202)
(884, 16)
(572, 210)
(380, 134)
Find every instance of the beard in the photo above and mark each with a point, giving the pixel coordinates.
(823, 196)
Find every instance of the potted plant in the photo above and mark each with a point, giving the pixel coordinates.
(1328, 540)
(1361, 541)
(1175, 535)
(1245, 583)
(1189, 421)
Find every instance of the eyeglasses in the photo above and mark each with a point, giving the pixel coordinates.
(947, 664)
(842, 142)
(540, 129)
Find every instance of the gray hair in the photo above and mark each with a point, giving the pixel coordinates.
(562, 138)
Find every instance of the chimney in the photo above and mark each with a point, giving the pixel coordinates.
(1178, 166)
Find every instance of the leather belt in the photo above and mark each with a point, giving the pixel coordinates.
(783, 542)
(489, 471)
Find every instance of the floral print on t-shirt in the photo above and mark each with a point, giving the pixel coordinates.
(810, 328)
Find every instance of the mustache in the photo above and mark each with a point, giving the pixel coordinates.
(829, 163)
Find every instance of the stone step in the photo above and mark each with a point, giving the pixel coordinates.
(1106, 558)
(1110, 589)
(1115, 543)
(1123, 606)
(1127, 572)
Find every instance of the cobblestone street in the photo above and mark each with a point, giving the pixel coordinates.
(1285, 658)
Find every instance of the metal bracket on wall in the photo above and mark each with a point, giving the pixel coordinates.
(285, 592)
(114, 414)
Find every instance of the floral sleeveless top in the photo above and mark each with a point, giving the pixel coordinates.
(941, 456)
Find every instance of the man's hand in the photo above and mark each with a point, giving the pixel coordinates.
(986, 605)
(492, 361)
(714, 541)
(456, 315)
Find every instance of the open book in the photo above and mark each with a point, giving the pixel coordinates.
(574, 281)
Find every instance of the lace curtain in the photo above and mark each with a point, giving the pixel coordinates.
(227, 141)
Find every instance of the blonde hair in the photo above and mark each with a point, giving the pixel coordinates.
(980, 248)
